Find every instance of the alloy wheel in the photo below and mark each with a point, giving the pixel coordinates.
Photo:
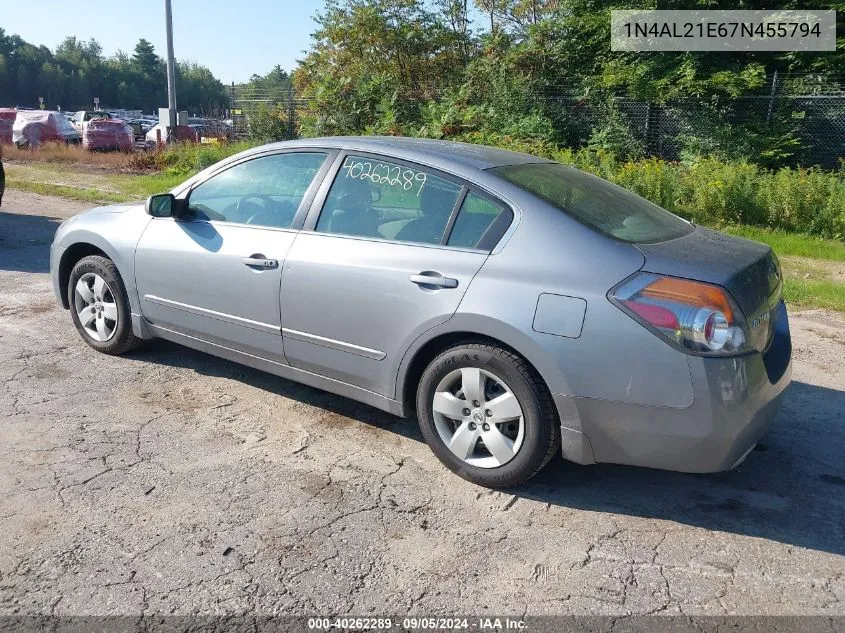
(478, 417)
(96, 307)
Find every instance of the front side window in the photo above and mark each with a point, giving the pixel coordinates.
(597, 203)
(381, 199)
(264, 191)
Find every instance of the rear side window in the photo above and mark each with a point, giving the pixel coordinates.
(597, 203)
(475, 218)
(382, 199)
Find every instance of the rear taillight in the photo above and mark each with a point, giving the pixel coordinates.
(695, 316)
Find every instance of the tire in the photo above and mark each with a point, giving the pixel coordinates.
(535, 439)
(113, 301)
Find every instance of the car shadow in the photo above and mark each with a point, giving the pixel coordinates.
(204, 234)
(25, 242)
(171, 354)
(790, 489)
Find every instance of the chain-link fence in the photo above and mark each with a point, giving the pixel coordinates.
(795, 120)
(275, 109)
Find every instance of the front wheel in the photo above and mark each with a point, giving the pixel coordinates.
(99, 306)
(487, 415)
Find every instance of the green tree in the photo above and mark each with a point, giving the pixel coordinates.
(145, 59)
(198, 87)
(373, 64)
(542, 70)
(77, 72)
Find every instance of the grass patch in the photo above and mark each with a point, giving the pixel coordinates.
(138, 187)
(63, 154)
(814, 283)
(99, 185)
(791, 244)
(65, 191)
(183, 158)
(815, 293)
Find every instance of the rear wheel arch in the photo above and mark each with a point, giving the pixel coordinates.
(428, 351)
(70, 257)
(515, 440)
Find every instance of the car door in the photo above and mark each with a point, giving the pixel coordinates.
(215, 273)
(374, 270)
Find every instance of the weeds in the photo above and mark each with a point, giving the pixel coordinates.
(67, 154)
(185, 159)
(711, 191)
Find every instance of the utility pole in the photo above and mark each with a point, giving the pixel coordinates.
(171, 75)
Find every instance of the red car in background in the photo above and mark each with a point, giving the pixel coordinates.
(7, 120)
(107, 134)
(33, 128)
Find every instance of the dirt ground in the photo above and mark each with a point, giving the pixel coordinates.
(169, 481)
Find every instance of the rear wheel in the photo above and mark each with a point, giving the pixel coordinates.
(487, 415)
(99, 306)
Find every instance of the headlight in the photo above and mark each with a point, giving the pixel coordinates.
(694, 316)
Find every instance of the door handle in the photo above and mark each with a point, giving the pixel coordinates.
(431, 278)
(257, 260)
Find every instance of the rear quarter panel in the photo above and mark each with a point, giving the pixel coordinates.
(614, 357)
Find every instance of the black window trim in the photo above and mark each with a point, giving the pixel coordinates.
(304, 205)
(453, 216)
(489, 240)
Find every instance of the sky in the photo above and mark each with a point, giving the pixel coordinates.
(234, 38)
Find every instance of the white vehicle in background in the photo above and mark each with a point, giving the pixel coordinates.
(81, 117)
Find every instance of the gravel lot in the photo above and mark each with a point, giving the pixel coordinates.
(169, 481)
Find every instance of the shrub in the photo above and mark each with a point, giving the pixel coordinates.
(268, 124)
(186, 158)
(711, 191)
(718, 192)
(614, 135)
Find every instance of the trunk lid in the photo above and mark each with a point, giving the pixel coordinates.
(749, 270)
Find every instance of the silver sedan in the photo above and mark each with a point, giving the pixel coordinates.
(519, 307)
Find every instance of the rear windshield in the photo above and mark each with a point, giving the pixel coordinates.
(597, 203)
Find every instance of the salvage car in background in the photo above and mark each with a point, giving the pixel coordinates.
(7, 120)
(107, 134)
(82, 117)
(33, 128)
(519, 306)
(184, 133)
(137, 127)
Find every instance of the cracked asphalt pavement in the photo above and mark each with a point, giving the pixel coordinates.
(169, 481)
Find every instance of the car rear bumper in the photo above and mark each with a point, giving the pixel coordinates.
(735, 401)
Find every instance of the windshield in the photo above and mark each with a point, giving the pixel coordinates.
(597, 203)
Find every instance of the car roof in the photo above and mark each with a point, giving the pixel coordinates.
(448, 153)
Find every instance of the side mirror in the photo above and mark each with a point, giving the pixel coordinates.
(164, 205)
